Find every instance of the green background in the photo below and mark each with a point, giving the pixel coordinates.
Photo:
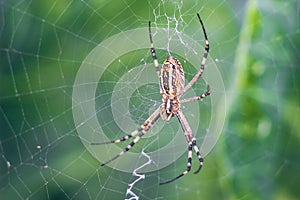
(255, 45)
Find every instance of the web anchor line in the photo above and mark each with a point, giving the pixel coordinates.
(140, 177)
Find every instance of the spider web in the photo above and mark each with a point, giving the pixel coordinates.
(75, 72)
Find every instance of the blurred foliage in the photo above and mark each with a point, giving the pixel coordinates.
(42, 45)
(258, 144)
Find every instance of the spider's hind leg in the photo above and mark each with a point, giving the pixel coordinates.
(126, 137)
(139, 132)
(188, 167)
(200, 158)
(191, 144)
(127, 148)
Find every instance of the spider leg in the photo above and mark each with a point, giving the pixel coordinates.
(141, 131)
(153, 53)
(192, 144)
(188, 167)
(122, 139)
(190, 138)
(202, 96)
(196, 149)
(136, 139)
(204, 58)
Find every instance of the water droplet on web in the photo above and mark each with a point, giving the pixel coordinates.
(45, 167)
(8, 164)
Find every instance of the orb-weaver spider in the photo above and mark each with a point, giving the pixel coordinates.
(171, 82)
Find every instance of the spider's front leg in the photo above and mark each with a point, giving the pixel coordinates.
(203, 62)
(153, 53)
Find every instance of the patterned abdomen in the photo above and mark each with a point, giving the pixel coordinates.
(171, 78)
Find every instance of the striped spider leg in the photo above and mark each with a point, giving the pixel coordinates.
(137, 134)
(171, 82)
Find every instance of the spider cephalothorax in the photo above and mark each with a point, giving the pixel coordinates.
(172, 86)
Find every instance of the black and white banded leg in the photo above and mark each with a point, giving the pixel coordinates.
(188, 167)
(197, 151)
(203, 62)
(153, 53)
(137, 134)
(202, 96)
(192, 144)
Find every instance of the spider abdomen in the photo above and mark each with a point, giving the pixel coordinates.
(171, 78)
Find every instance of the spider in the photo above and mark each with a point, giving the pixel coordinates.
(171, 82)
